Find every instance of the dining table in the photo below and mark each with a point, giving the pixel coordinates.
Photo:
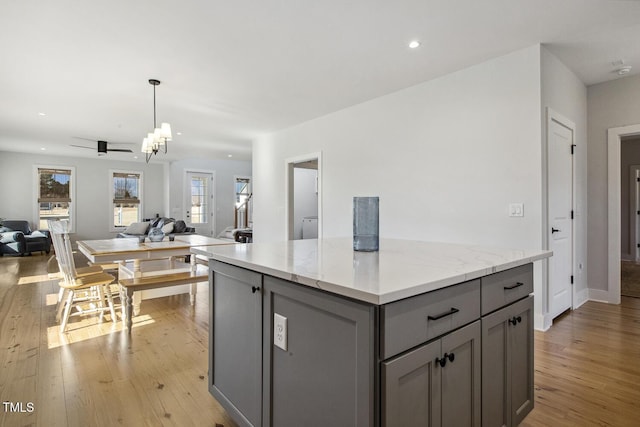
(141, 261)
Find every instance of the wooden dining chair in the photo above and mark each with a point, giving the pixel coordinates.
(80, 287)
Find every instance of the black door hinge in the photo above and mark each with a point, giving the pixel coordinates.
(572, 213)
(572, 279)
(573, 147)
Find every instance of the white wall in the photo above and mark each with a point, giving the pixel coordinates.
(610, 104)
(224, 191)
(565, 93)
(93, 206)
(446, 158)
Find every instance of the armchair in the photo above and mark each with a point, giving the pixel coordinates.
(17, 238)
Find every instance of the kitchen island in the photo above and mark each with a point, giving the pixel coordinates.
(310, 332)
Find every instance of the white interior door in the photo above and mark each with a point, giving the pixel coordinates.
(634, 221)
(199, 202)
(560, 163)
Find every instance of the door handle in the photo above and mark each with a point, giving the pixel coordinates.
(554, 230)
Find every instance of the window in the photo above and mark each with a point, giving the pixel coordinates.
(126, 190)
(199, 196)
(54, 194)
(243, 190)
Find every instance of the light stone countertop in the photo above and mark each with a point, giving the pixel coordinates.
(400, 269)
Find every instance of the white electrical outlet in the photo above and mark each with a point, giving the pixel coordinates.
(280, 331)
(516, 209)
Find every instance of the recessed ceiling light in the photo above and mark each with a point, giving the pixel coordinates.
(229, 155)
(414, 44)
(42, 148)
(624, 70)
(42, 114)
(178, 133)
(135, 157)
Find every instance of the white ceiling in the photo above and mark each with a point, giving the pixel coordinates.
(233, 70)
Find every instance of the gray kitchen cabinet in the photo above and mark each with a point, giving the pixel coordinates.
(285, 354)
(235, 332)
(437, 384)
(416, 320)
(507, 364)
(325, 377)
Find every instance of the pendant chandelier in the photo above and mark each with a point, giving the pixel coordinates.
(158, 139)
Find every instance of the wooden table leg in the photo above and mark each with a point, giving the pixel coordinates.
(193, 288)
(123, 291)
(129, 308)
(137, 301)
(136, 268)
(137, 298)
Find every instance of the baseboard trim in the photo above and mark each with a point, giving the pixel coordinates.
(542, 322)
(581, 297)
(599, 295)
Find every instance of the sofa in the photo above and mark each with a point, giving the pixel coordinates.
(17, 238)
(167, 225)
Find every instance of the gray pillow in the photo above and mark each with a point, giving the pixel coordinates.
(137, 228)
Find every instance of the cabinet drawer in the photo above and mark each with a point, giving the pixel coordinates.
(503, 288)
(413, 321)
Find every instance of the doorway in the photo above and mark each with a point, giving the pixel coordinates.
(198, 201)
(242, 211)
(560, 212)
(615, 138)
(304, 197)
(630, 203)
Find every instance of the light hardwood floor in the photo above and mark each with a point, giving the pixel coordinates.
(96, 375)
(587, 370)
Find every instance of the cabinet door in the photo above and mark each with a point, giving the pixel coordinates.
(325, 377)
(521, 351)
(461, 399)
(496, 400)
(235, 337)
(411, 388)
(507, 364)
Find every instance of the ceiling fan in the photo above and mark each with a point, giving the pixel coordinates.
(103, 146)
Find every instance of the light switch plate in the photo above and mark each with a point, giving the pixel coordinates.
(280, 331)
(516, 209)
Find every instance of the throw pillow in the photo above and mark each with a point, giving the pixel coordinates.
(137, 228)
(11, 236)
(179, 226)
(4, 229)
(37, 233)
(167, 228)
